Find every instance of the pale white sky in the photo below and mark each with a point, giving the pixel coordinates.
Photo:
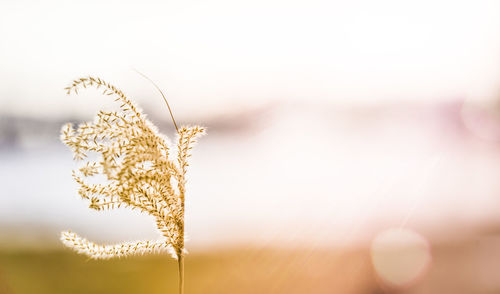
(216, 54)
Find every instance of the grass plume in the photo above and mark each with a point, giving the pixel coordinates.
(140, 172)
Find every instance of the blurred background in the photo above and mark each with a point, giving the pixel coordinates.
(353, 146)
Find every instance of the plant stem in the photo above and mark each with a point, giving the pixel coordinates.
(181, 273)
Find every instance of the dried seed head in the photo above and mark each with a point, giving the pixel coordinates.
(134, 160)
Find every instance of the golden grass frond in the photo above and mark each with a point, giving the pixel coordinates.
(134, 160)
(95, 251)
(109, 89)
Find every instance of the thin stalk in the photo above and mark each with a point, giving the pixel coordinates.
(180, 256)
(162, 95)
(181, 273)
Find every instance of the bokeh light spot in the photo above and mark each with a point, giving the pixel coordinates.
(400, 257)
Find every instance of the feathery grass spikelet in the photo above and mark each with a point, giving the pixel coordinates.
(83, 246)
(140, 174)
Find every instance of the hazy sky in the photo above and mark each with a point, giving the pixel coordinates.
(216, 54)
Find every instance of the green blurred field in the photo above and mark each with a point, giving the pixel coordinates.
(222, 271)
